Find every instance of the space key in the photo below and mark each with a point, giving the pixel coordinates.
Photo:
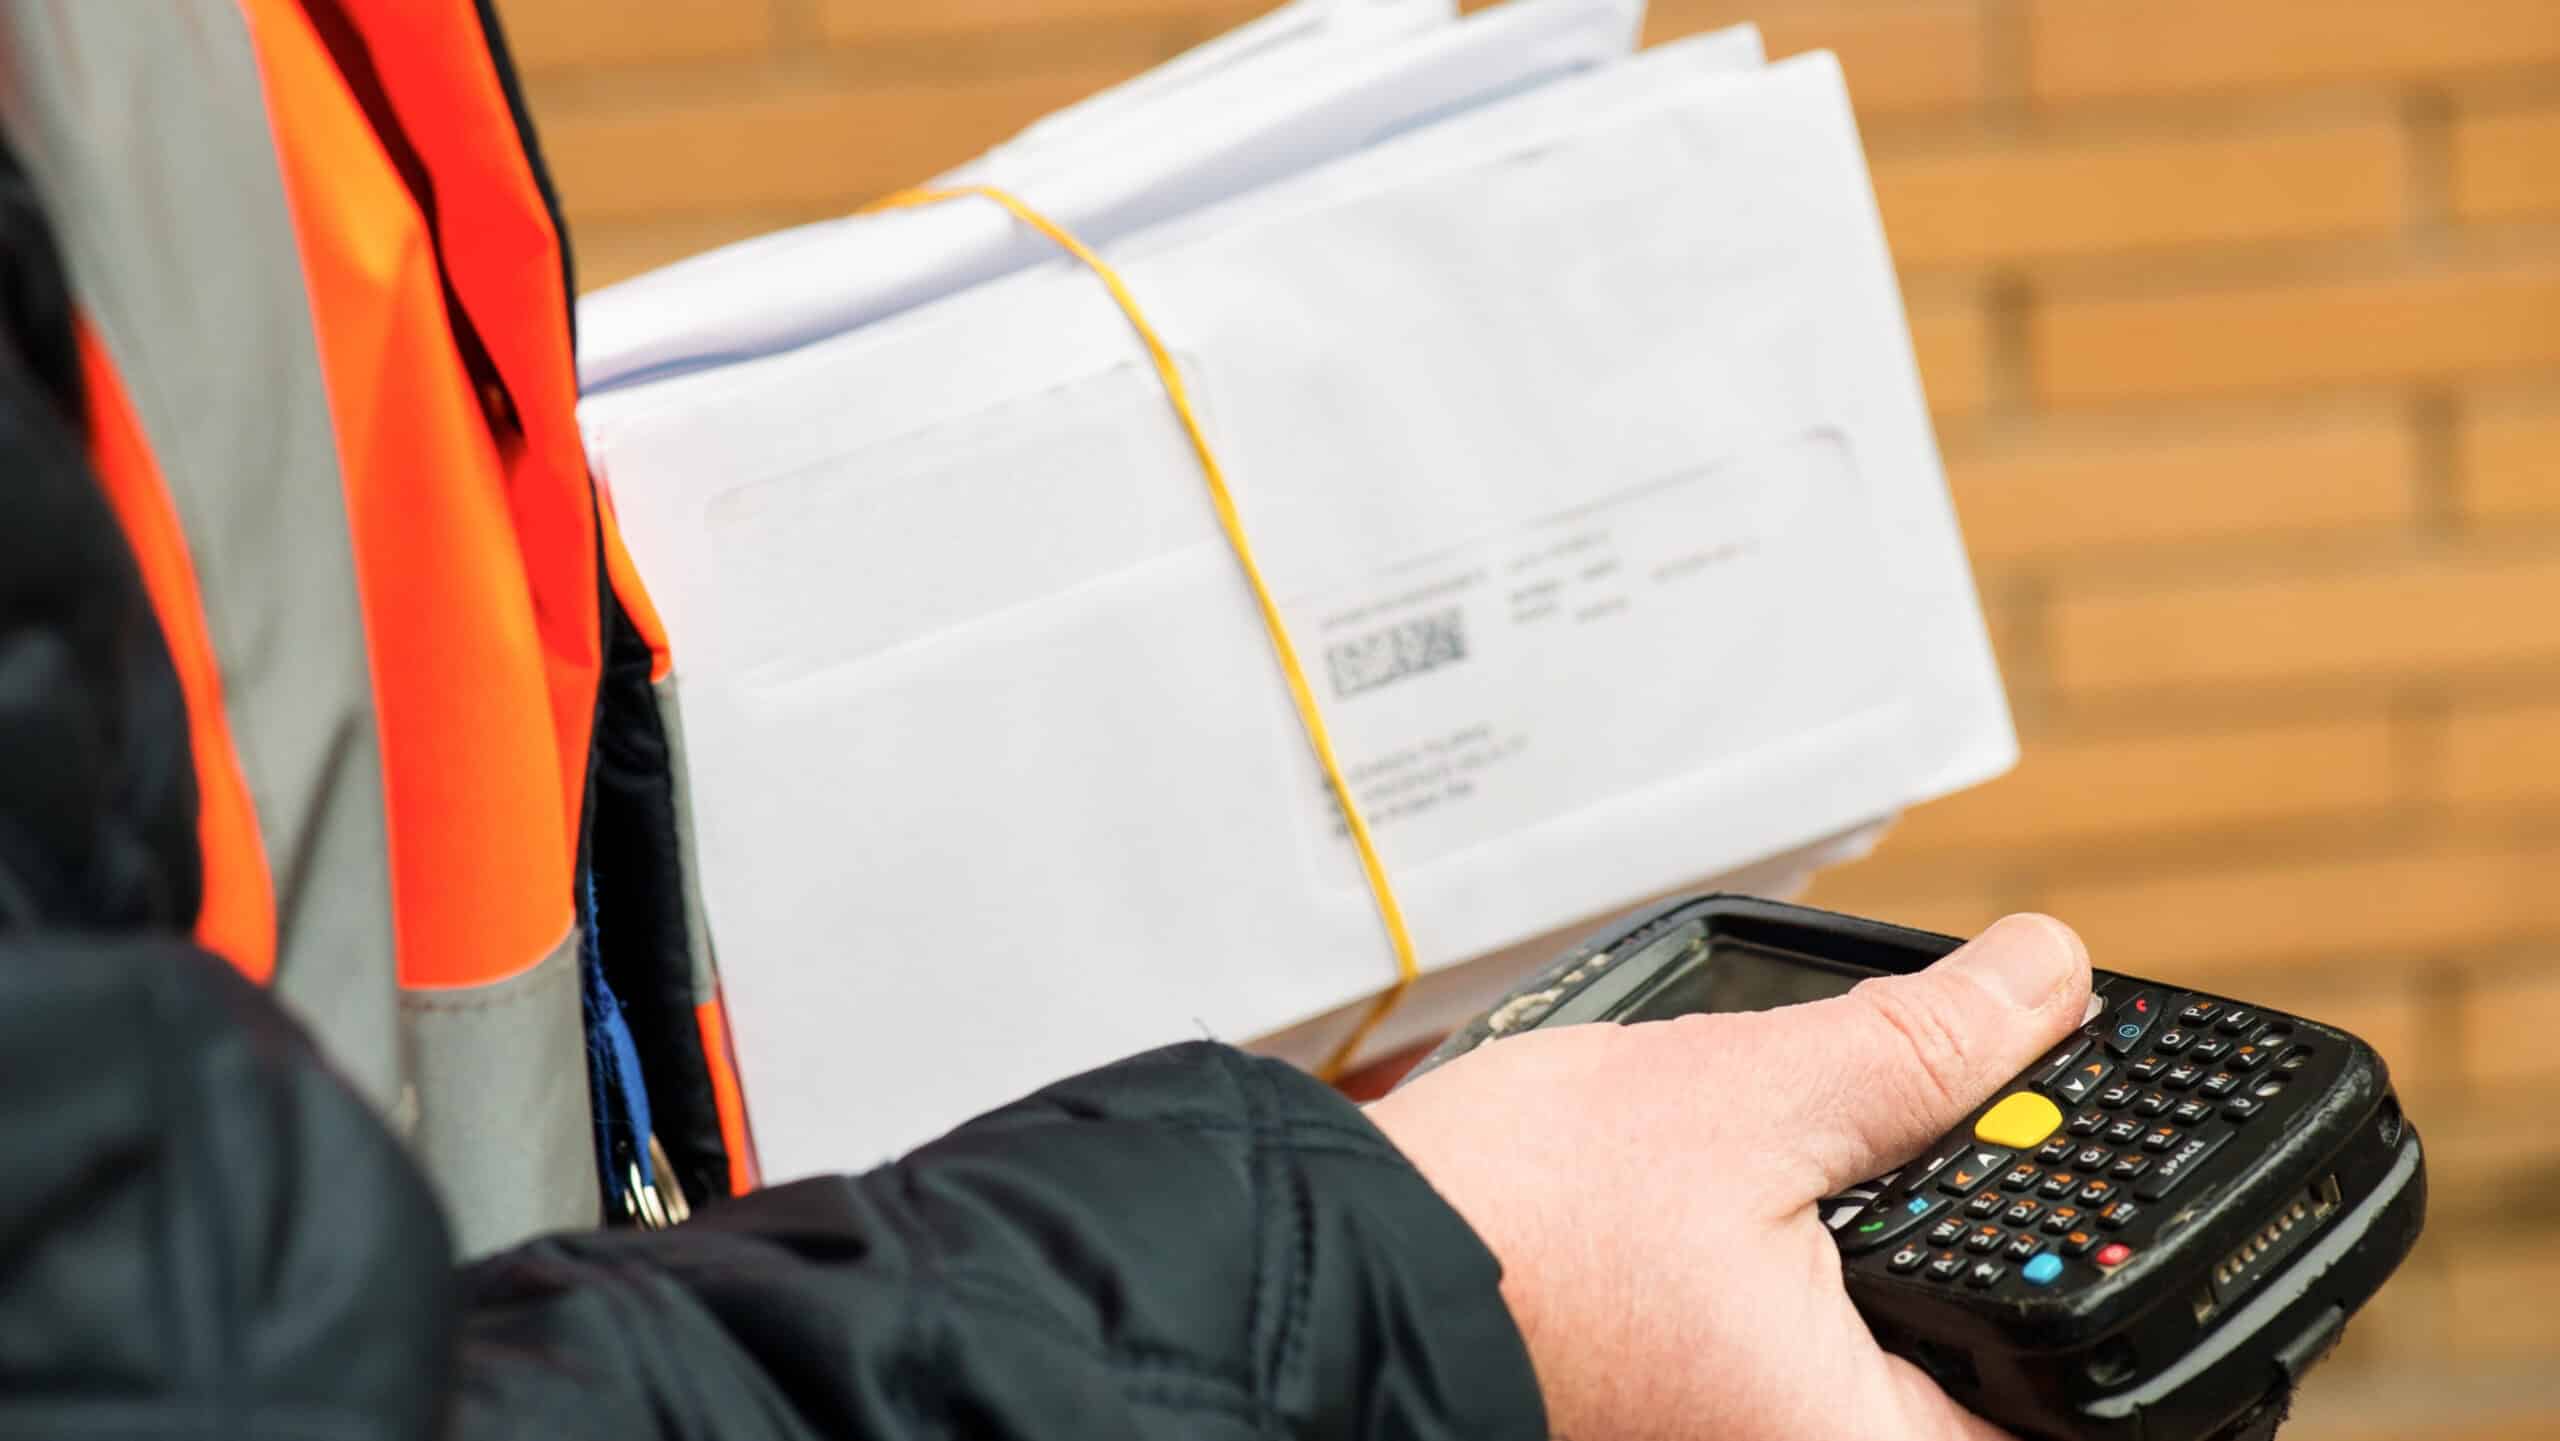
(2175, 1166)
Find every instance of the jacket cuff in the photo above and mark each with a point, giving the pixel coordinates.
(1373, 1309)
(1387, 1252)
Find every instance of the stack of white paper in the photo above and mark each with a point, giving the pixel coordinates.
(1577, 432)
(1278, 109)
(1281, 50)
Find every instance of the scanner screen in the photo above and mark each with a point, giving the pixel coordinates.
(1733, 976)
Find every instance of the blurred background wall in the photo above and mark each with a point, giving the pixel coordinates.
(2242, 323)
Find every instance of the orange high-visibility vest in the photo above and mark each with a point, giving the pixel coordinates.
(326, 329)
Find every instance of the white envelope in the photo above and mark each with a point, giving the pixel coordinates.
(799, 285)
(1593, 475)
(1575, 104)
(1277, 49)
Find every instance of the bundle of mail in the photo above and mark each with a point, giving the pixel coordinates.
(1570, 408)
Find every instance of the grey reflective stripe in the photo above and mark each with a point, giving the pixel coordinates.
(697, 931)
(504, 1124)
(145, 128)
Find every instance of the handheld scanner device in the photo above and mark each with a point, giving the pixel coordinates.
(2150, 1235)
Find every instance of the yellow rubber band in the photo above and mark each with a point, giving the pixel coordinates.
(1408, 965)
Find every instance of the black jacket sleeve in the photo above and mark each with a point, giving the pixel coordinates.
(205, 1235)
(1190, 1244)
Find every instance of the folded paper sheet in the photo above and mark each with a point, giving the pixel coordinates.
(1584, 448)
(1123, 168)
(1279, 52)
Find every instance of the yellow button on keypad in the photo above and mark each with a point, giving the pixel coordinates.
(2022, 1119)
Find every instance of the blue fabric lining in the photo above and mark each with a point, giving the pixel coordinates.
(614, 1084)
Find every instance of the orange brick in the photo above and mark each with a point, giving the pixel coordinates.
(706, 158)
(857, 20)
(2430, 618)
(2509, 459)
(2502, 1303)
(2489, 1155)
(1953, 340)
(2083, 49)
(2415, 1406)
(1912, 56)
(2508, 1020)
(546, 34)
(1876, 889)
(609, 251)
(2352, 919)
(2504, 758)
(2506, 165)
(2092, 791)
(2408, 326)
(2063, 493)
(2034, 200)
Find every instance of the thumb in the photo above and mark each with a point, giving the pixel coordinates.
(1904, 1059)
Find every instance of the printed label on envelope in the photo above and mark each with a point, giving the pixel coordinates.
(1525, 675)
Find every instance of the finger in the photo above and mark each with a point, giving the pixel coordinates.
(1901, 1060)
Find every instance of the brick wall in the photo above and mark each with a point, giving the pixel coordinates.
(2242, 321)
